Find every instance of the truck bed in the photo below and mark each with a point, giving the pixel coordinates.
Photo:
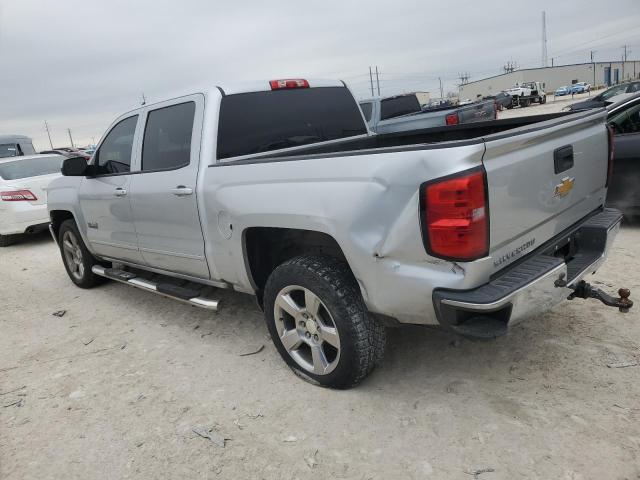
(438, 137)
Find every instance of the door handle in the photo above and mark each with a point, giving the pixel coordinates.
(120, 192)
(181, 191)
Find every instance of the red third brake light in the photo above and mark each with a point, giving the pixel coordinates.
(17, 196)
(455, 216)
(288, 83)
(452, 119)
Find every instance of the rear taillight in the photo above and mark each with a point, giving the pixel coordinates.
(455, 216)
(611, 153)
(452, 119)
(288, 83)
(17, 196)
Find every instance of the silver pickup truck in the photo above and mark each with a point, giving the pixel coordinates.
(278, 190)
(404, 112)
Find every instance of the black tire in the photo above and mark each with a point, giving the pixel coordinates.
(543, 99)
(361, 337)
(525, 103)
(86, 278)
(6, 240)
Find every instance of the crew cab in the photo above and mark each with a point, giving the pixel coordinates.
(404, 112)
(277, 189)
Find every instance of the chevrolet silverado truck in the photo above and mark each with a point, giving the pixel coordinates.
(277, 189)
(404, 112)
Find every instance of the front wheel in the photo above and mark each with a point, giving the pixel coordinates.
(77, 259)
(319, 323)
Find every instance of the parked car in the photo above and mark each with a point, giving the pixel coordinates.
(278, 190)
(624, 184)
(15, 146)
(404, 112)
(502, 100)
(562, 91)
(580, 87)
(605, 98)
(23, 201)
(67, 152)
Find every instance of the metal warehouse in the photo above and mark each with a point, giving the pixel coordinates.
(597, 74)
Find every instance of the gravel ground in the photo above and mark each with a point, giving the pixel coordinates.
(114, 388)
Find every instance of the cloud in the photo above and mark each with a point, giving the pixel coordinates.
(79, 64)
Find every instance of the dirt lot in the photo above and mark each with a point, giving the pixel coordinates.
(553, 104)
(114, 388)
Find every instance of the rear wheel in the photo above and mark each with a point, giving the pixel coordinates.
(77, 259)
(319, 323)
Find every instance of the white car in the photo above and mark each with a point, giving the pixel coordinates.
(23, 197)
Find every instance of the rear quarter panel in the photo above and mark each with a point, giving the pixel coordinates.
(367, 202)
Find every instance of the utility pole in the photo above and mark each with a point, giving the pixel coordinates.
(544, 39)
(441, 93)
(71, 138)
(593, 65)
(371, 79)
(552, 61)
(377, 80)
(46, 126)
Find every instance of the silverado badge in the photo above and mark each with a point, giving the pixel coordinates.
(563, 189)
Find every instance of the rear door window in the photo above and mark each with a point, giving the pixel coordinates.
(167, 137)
(114, 154)
(263, 121)
(31, 167)
(398, 106)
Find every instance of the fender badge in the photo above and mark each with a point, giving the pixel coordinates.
(563, 189)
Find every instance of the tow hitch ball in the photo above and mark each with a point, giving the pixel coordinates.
(584, 290)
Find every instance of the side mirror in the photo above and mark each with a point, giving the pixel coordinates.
(74, 167)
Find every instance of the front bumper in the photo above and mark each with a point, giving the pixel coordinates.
(533, 285)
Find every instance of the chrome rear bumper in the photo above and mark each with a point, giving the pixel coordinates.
(534, 285)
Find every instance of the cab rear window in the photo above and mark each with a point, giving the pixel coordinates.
(258, 122)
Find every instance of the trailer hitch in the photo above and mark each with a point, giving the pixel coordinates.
(585, 290)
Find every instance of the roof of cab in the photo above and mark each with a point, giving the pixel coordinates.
(264, 86)
(13, 138)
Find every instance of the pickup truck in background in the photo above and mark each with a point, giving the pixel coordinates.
(278, 189)
(404, 112)
(16, 146)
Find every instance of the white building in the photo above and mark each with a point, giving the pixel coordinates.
(597, 74)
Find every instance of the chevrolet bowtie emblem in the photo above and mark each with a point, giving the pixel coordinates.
(563, 189)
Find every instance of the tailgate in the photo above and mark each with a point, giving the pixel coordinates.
(542, 179)
(477, 112)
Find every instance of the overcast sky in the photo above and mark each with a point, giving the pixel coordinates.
(80, 63)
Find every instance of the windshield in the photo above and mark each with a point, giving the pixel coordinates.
(30, 167)
(612, 92)
(263, 121)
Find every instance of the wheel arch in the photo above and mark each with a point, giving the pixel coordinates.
(57, 217)
(264, 248)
